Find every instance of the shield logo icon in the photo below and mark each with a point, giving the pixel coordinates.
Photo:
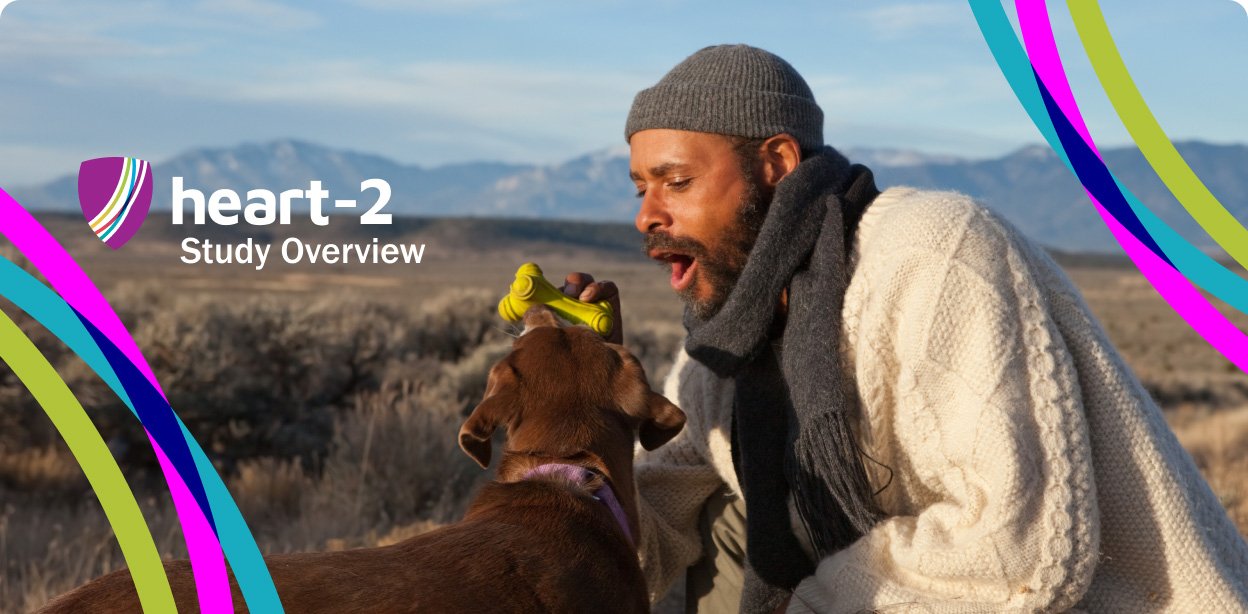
(115, 194)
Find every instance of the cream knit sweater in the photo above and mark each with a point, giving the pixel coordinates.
(1030, 469)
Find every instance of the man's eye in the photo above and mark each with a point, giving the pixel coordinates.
(641, 193)
(679, 184)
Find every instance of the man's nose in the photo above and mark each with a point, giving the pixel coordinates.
(652, 215)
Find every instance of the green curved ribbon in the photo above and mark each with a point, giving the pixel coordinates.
(1161, 154)
(97, 463)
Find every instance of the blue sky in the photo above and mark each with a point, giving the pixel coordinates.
(433, 82)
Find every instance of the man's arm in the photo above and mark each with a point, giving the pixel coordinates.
(673, 484)
(972, 400)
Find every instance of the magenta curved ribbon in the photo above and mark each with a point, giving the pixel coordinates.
(68, 279)
(1183, 297)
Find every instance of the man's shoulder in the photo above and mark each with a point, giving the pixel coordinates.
(905, 222)
(903, 213)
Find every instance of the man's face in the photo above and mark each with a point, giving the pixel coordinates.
(700, 211)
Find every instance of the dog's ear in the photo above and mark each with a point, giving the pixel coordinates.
(496, 410)
(478, 429)
(660, 421)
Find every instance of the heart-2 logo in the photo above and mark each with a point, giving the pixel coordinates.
(115, 194)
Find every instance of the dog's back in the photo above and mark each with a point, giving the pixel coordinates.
(532, 546)
(530, 542)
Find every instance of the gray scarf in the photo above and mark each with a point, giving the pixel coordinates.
(793, 413)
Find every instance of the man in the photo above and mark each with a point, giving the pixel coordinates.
(896, 402)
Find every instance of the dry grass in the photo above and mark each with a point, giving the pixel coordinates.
(1205, 397)
(1219, 444)
(330, 398)
(393, 469)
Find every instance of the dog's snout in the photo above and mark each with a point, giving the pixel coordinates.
(539, 315)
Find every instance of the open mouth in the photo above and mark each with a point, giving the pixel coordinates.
(681, 265)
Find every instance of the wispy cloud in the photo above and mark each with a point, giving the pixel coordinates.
(435, 81)
(268, 12)
(36, 161)
(487, 93)
(867, 111)
(434, 6)
(895, 21)
(134, 21)
(429, 112)
(906, 93)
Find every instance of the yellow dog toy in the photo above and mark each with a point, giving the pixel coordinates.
(530, 289)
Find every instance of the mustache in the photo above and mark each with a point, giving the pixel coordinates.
(660, 240)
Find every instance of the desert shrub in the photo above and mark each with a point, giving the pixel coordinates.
(1218, 442)
(46, 550)
(258, 378)
(17, 429)
(655, 345)
(39, 469)
(270, 490)
(1220, 390)
(452, 324)
(265, 377)
(391, 468)
(394, 460)
(467, 377)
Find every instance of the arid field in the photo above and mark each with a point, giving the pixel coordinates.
(329, 396)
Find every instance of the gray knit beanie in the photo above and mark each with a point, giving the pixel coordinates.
(737, 90)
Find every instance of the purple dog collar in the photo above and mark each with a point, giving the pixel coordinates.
(582, 475)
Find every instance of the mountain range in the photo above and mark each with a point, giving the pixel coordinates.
(1029, 186)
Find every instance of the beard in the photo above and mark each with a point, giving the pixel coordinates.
(719, 270)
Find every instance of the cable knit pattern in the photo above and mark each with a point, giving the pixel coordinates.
(674, 480)
(1027, 468)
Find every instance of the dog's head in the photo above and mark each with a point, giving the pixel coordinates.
(562, 391)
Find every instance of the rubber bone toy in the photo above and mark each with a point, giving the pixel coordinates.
(530, 289)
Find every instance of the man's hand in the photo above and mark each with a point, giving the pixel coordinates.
(582, 287)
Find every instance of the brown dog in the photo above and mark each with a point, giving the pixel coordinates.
(540, 538)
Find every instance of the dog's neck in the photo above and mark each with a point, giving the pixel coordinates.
(583, 477)
(516, 465)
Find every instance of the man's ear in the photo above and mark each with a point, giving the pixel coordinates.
(780, 154)
(660, 422)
